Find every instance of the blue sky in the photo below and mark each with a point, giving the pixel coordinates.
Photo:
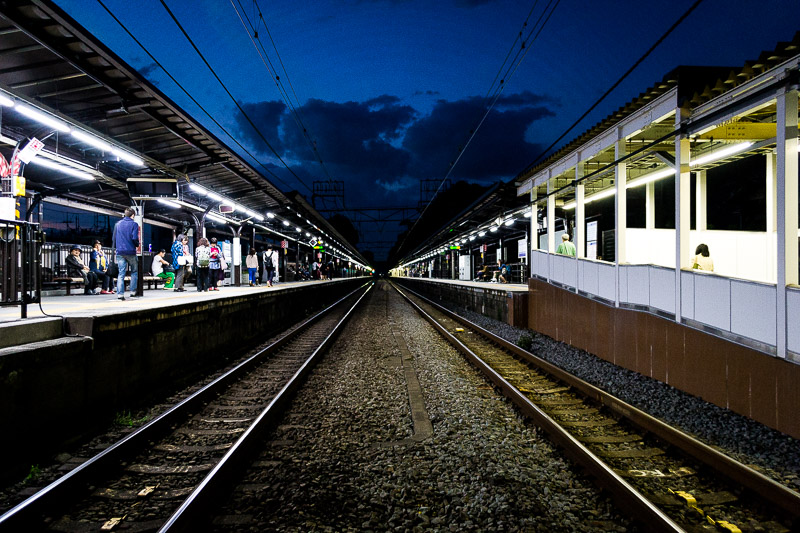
(389, 89)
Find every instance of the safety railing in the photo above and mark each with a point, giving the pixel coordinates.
(20, 264)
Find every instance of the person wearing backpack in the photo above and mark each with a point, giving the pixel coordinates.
(202, 261)
(270, 264)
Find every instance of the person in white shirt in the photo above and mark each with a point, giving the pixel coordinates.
(158, 269)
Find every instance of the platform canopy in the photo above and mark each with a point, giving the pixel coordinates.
(52, 65)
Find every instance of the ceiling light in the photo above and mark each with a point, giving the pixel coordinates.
(299, 230)
(198, 189)
(42, 118)
(472, 238)
(62, 168)
(308, 234)
(169, 203)
(130, 158)
(509, 221)
(215, 196)
(6, 101)
(92, 140)
(493, 229)
(653, 176)
(270, 215)
(719, 154)
(527, 214)
(604, 194)
(285, 222)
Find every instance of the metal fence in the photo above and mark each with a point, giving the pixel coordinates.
(20, 264)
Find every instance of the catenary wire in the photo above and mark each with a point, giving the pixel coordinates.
(620, 80)
(182, 88)
(227, 91)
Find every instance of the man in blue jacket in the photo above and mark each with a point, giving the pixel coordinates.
(125, 241)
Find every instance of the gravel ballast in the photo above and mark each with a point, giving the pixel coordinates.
(345, 456)
(773, 453)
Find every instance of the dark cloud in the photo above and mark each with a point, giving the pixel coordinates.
(499, 148)
(381, 147)
(426, 93)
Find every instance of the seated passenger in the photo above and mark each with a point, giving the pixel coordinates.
(77, 269)
(502, 273)
(158, 266)
(483, 274)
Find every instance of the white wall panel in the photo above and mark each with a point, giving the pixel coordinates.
(589, 272)
(662, 289)
(793, 319)
(687, 294)
(753, 310)
(607, 281)
(712, 301)
(638, 278)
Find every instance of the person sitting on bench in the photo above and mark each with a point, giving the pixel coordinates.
(77, 269)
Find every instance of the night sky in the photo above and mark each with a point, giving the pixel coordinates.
(389, 90)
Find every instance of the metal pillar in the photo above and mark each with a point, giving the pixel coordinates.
(682, 211)
(620, 213)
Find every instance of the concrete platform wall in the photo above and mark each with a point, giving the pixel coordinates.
(754, 384)
(54, 391)
(492, 301)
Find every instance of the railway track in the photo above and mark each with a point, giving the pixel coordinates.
(664, 478)
(165, 474)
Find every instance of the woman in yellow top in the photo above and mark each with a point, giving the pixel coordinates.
(702, 259)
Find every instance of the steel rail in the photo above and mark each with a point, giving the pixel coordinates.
(196, 506)
(624, 493)
(779, 495)
(72, 485)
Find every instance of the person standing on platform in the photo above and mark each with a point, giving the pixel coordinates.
(158, 269)
(566, 247)
(180, 249)
(262, 274)
(125, 241)
(77, 269)
(215, 271)
(270, 261)
(702, 259)
(203, 255)
(252, 266)
(99, 265)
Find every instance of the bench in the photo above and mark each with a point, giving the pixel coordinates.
(78, 282)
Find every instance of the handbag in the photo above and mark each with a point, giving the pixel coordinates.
(181, 260)
(185, 260)
(222, 264)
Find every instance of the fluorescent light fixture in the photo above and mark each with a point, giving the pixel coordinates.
(308, 234)
(719, 154)
(481, 234)
(215, 196)
(218, 218)
(92, 140)
(299, 230)
(647, 178)
(285, 222)
(129, 158)
(611, 191)
(42, 118)
(493, 229)
(198, 189)
(509, 221)
(169, 203)
(527, 214)
(472, 237)
(62, 168)
(270, 215)
(6, 101)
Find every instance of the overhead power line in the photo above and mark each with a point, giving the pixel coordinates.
(228, 92)
(192, 98)
(620, 80)
(293, 107)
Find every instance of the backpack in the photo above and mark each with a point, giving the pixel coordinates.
(268, 261)
(203, 256)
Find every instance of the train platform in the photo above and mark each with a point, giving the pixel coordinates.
(77, 305)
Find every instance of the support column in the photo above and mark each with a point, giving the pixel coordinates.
(580, 214)
(534, 244)
(551, 225)
(771, 161)
(787, 218)
(701, 202)
(650, 206)
(620, 213)
(682, 212)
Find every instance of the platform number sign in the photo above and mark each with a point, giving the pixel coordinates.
(284, 244)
